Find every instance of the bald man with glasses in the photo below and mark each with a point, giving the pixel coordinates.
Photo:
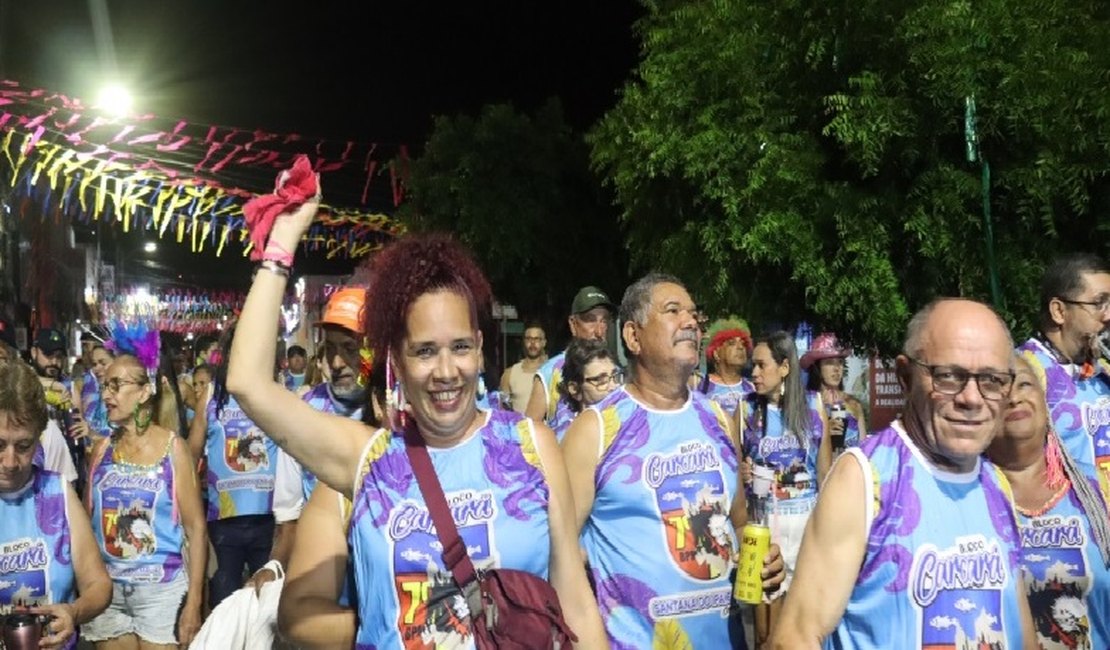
(913, 543)
(1065, 355)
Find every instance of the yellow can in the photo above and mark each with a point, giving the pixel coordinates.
(755, 542)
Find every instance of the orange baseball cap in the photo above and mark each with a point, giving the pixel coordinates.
(344, 309)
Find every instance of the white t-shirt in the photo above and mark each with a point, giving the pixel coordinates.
(288, 489)
(55, 452)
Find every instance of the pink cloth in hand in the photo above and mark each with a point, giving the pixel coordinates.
(295, 186)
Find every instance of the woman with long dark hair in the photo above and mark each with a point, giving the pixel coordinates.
(825, 361)
(786, 453)
(506, 472)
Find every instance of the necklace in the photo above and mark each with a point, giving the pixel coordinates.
(1049, 504)
(119, 459)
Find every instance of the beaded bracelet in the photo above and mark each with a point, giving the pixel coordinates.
(273, 267)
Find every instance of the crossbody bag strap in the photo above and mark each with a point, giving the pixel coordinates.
(454, 548)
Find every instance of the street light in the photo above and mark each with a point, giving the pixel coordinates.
(150, 247)
(115, 99)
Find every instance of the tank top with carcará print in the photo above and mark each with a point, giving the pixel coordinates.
(851, 430)
(1066, 579)
(768, 442)
(659, 539)
(498, 496)
(242, 464)
(135, 518)
(728, 396)
(559, 411)
(92, 406)
(321, 399)
(1079, 407)
(36, 564)
(941, 564)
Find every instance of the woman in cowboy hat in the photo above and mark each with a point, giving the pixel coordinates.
(825, 363)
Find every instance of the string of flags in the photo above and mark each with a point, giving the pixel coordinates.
(186, 181)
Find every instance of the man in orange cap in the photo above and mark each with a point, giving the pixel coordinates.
(343, 391)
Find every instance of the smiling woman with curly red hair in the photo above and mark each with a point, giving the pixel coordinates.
(505, 472)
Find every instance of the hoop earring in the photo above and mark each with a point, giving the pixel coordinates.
(394, 397)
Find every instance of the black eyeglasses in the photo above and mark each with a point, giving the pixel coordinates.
(950, 380)
(601, 381)
(113, 385)
(1102, 305)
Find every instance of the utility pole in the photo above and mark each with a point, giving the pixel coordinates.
(971, 137)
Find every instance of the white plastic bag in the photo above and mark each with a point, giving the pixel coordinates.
(245, 620)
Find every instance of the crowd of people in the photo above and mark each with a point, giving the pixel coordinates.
(151, 480)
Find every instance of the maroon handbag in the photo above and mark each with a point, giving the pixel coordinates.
(509, 609)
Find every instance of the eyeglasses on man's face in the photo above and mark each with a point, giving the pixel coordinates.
(615, 378)
(950, 380)
(1101, 305)
(113, 385)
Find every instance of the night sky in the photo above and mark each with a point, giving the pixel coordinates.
(367, 71)
(362, 71)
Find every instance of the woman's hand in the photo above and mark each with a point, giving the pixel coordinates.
(289, 227)
(188, 624)
(58, 631)
(79, 429)
(746, 471)
(774, 570)
(836, 426)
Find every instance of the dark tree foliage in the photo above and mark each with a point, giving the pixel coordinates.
(807, 159)
(519, 191)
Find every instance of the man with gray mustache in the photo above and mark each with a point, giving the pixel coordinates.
(654, 473)
(343, 391)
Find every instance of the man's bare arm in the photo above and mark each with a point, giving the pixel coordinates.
(828, 563)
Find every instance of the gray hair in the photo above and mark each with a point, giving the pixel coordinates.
(914, 343)
(637, 297)
(637, 301)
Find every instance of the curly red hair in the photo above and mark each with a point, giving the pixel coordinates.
(411, 267)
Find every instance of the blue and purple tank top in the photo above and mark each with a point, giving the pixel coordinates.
(1066, 579)
(135, 519)
(321, 399)
(728, 396)
(659, 539)
(768, 442)
(851, 430)
(942, 555)
(36, 564)
(498, 495)
(1079, 408)
(559, 411)
(242, 464)
(92, 407)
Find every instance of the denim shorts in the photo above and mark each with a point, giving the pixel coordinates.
(149, 611)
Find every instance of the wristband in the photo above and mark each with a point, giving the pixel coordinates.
(273, 267)
(275, 252)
